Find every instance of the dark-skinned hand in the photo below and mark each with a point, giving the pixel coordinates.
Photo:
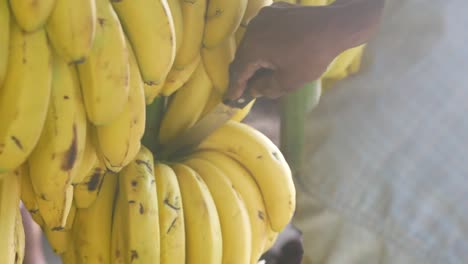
(286, 46)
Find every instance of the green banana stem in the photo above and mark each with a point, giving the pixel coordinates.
(295, 106)
(313, 92)
(154, 114)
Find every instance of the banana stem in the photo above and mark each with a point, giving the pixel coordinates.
(154, 114)
(295, 106)
(313, 92)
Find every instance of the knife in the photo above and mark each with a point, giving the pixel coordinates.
(214, 119)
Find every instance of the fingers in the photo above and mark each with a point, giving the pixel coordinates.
(250, 55)
(265, 83)
(297, 44)
(241, 75)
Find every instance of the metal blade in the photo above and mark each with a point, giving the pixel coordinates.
(204, 127)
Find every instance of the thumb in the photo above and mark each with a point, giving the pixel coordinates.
(243, 75)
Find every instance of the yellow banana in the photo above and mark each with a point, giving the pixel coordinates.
(253, 7)
(55, 210)
(4, 38)
(338, 68)
(71, 28)
(243, 182)
(171, 215)
(88, 160)
(150, 29)
(271, 240)
(186, 106)
(222, 20)
(118, 236)
(31, 14)
(265, 162)
(204, 242)
(60, 239)
(314, 2)
(176, 10)
(177, 77)
(85, 192)
(193, 16)
(24, 97)
(217, 60)
(232, 211)
(9, 203)
(19, 237)
(92, 227)
(214, 99)
(69, 256)
(119, 140)
(27, 195)
(356, 62)
(104, 74)
(55, 159)
(140, 209)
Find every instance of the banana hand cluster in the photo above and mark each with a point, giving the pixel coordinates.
(75, 79)
(218, 204)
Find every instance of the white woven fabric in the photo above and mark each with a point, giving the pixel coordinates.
(387, 155)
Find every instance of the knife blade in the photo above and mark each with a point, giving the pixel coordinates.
(217, 117)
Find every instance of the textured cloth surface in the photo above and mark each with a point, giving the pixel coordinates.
(387, 154)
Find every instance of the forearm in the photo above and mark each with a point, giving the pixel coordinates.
(357, 20)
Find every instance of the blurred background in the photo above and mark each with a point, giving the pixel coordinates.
(385, 178)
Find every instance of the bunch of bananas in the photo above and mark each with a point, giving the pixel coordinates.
(223, 203)
(75, 79)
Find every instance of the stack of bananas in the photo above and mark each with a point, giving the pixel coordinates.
(75, 79)
(223, 203)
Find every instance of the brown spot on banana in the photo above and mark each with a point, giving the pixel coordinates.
(167, 203)
(101, 21)
(17, 142)
(93, 183)
(133, 255)
(261, 215)
(144, 162)
(172, 225)
(70, 156)
(142, 209)
(134, 183)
